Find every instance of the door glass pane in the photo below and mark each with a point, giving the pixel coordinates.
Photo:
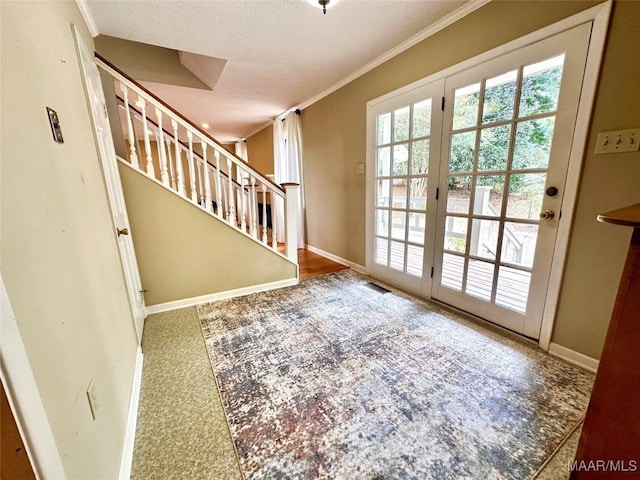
(541, 86)
(381, 250)
(420, 157)
(418, 194)
(463, 146)
(519, 243)
(399, 199)
(526, 192)
(396, 260)
(398, 224)
(384, 162)
(455, 234)
(422, 119)
(414, 260)
(489, 192)
(494, 148)
(479, 279)
(382, 193)
(401, 124)
(384, 129)
(499, 97)
(458, 194)
(484, 238)
(417, 227)
(452, 271)
(465, 107)
(382, 223)
(513, 289)
(400, 160)
(533, 143)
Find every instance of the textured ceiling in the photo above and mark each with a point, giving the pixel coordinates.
(279, 53)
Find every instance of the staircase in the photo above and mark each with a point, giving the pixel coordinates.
(165, 146)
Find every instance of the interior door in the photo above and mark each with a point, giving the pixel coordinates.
(404, 179)
(114, 187)
(506, 140)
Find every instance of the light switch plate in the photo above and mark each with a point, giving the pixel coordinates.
(618, 141)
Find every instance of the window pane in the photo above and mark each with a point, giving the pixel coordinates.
(384, 162)
(455, 234)
(513, 289)
(463, 146)
(399, 199)
(416, 227)
(420, 157)
(397, 256)
(494, 148)
(422, 119)
(465, 106)
(418, 194)
(384, 129)
(382, 193)
(452, 271)
(499, 97)
(489, 192)
(533, 143)
(400, 160)
(458, 194)
(519, 243)
(525, 195)
(480, 279)
(541, 86)
(401, 125)
(398, 224)
(382, 223)
(484, 238)
(414, 260)
(381, 249)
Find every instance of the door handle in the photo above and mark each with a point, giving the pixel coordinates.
(547, 214)
(124, 231)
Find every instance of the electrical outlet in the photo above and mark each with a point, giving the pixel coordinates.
(92, 397)
(360, 168)
(618, 141)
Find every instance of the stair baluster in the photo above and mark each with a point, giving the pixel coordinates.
(133, 156)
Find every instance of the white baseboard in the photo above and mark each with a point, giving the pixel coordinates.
(574, 357)
(132, 420)
(353, 266)
(213, 297)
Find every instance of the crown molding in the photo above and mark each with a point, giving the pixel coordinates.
(88, 17)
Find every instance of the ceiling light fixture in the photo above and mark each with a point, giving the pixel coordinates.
(324, 4)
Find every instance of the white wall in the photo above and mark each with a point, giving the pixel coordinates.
(58, 252)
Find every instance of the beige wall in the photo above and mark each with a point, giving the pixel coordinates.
(59, 254)
(260, 150)
(334, 142)
(182, 252)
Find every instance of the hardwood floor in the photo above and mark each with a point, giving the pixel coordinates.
(312, 264)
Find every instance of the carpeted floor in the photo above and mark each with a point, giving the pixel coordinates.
(334, 379)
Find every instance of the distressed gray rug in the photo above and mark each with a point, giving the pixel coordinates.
(334, 379)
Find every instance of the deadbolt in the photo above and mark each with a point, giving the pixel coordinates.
(547, 214)
(124, 231)
(551, 191)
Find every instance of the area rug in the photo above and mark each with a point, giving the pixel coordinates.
(334, 379)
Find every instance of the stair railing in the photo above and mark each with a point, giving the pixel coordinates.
(190, 162)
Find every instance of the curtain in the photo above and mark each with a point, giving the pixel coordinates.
(287, 150)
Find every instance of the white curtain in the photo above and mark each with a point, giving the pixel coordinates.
(287, 150)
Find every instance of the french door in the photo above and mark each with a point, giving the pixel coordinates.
(468, 180)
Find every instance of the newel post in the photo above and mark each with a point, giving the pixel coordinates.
(291, 220)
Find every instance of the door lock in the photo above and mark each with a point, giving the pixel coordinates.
(547, 214)
(124, 231)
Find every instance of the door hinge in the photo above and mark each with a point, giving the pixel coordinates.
(442, 104)
(142, 292)
(437, 193)
(106, 112)
(431, 272)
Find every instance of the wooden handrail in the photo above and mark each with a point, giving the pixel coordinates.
(184, 145)
(201, 131)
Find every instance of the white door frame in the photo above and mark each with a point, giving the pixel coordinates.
(599, 15)
(106, 152)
